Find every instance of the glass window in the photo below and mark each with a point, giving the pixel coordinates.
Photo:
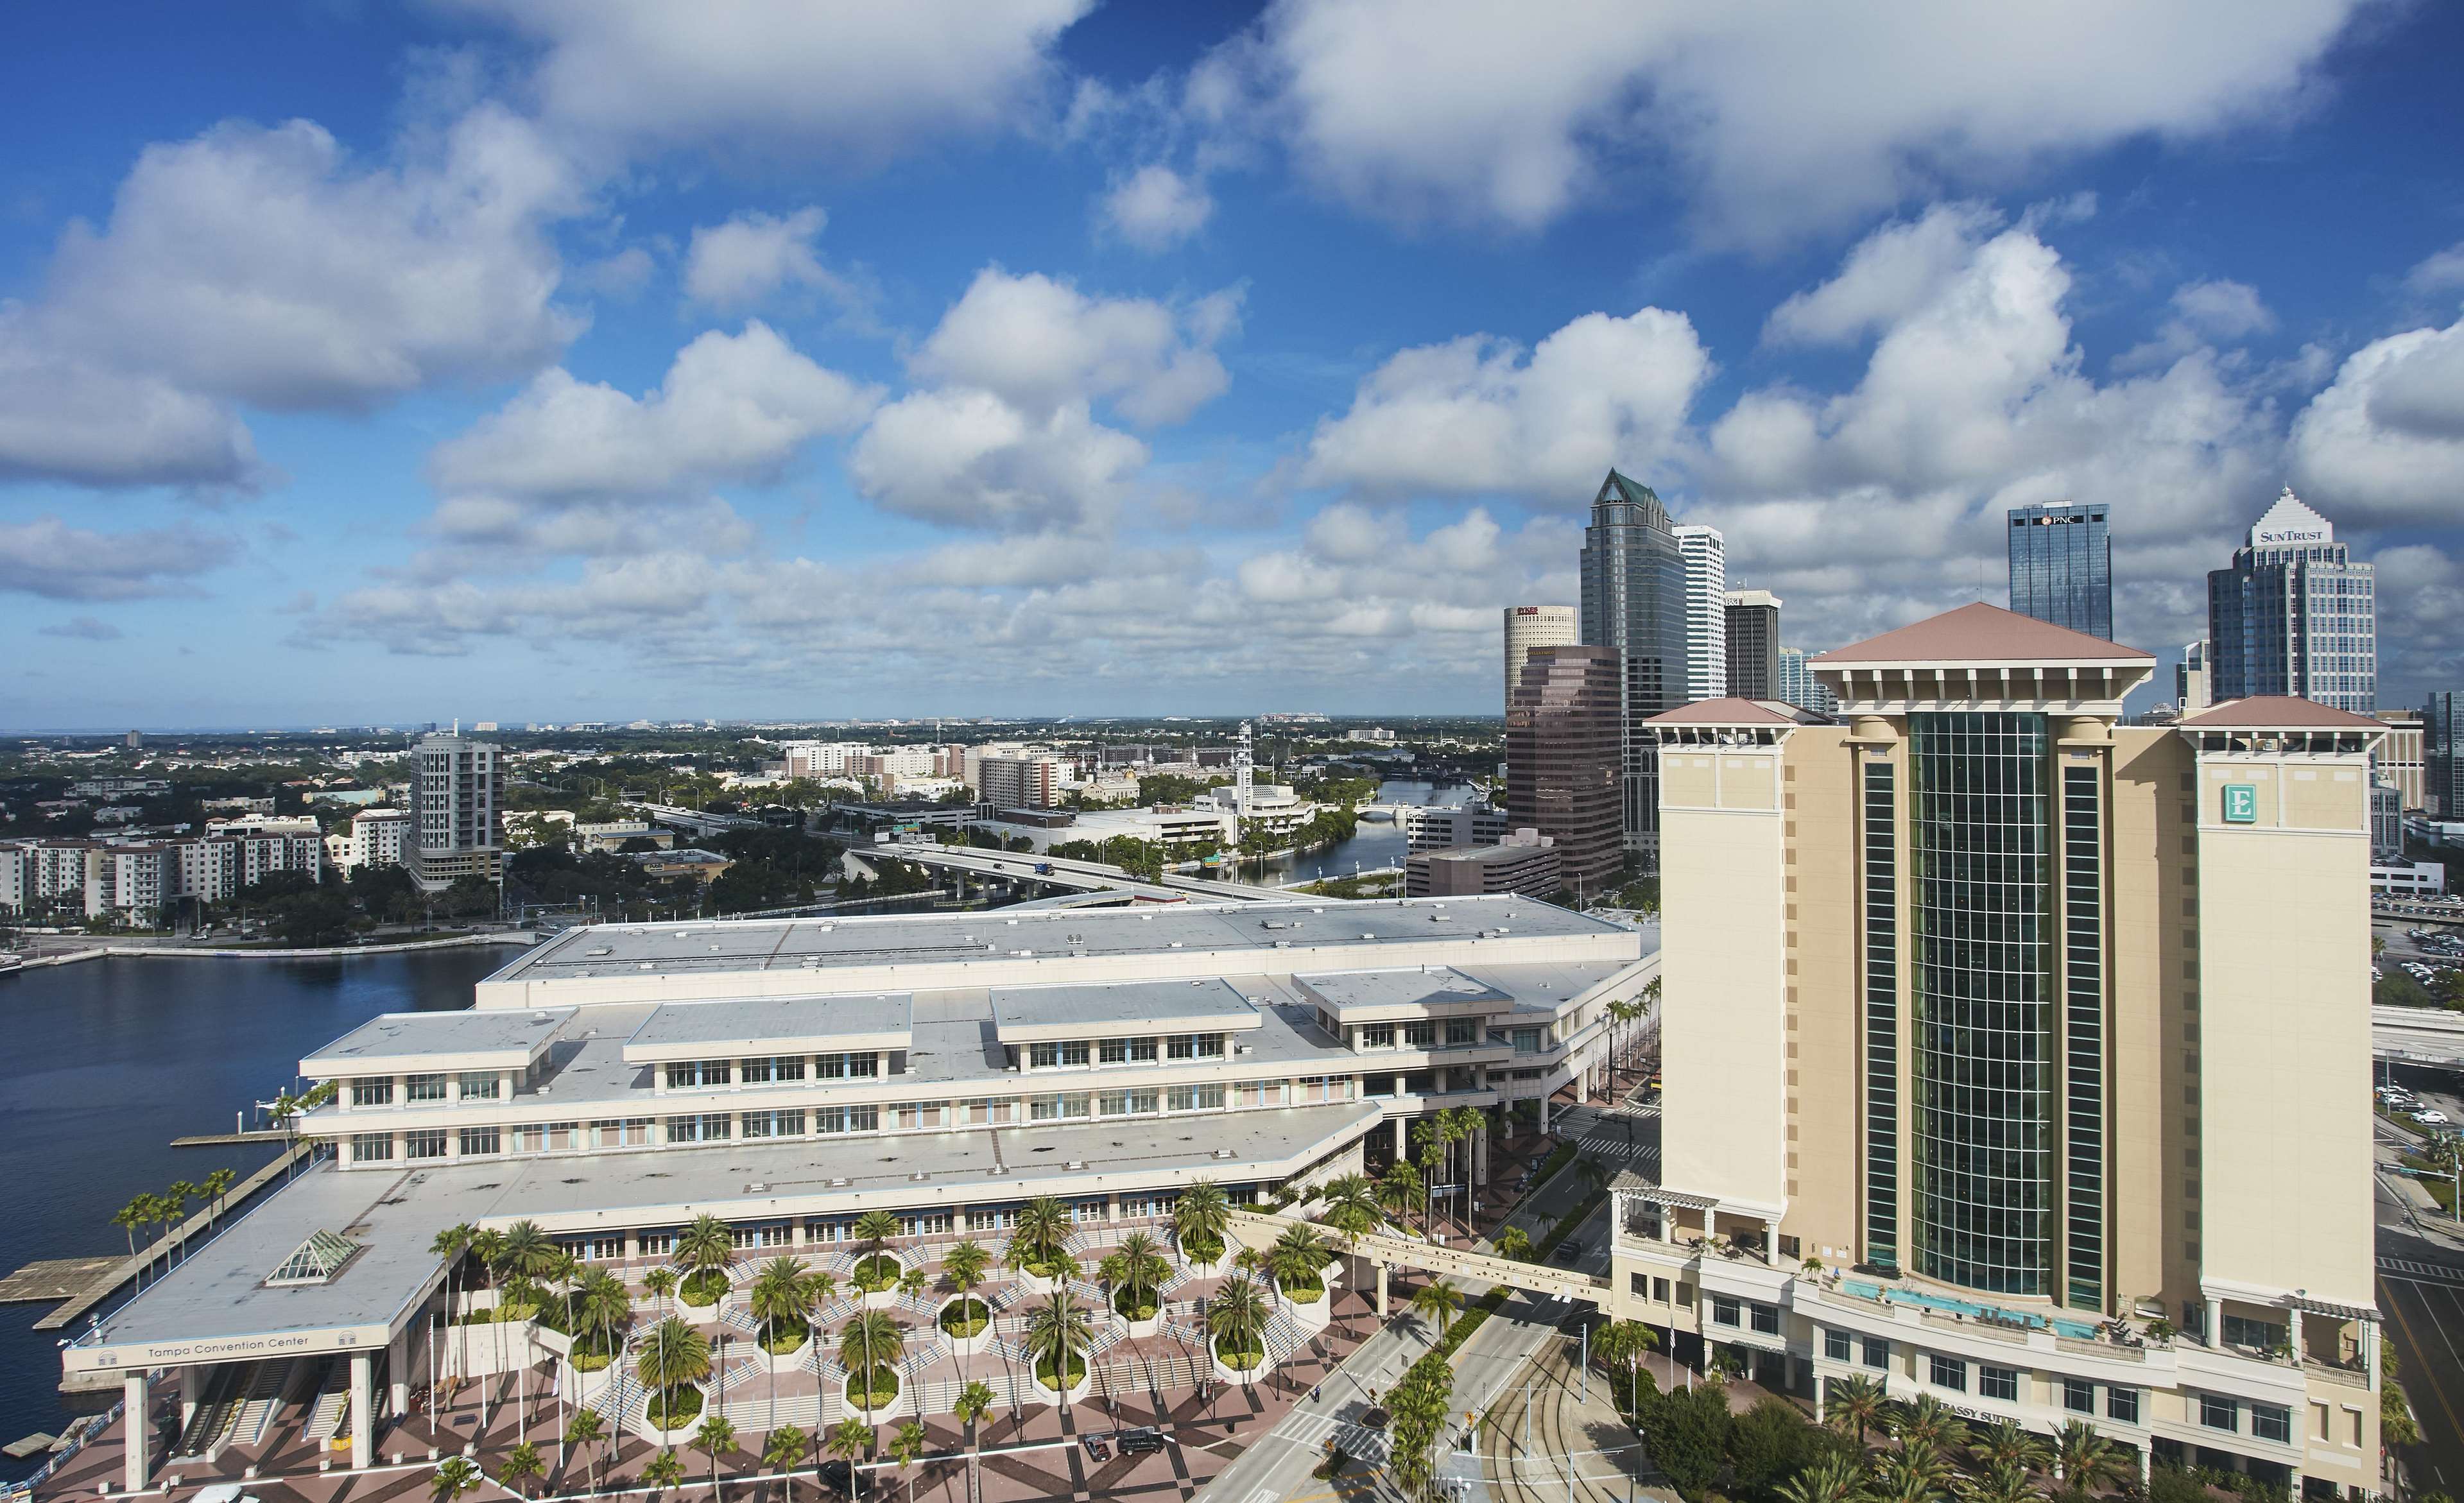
(425, 1143)
(703, 1128)
(773, 1124)
(371, 1147)
(1461, 1032)
(2219, 1413)
(376, 1091)
(685, 1074)
(1420, 1035)
(478, 1142)
(2078, 1396)
(830, 1067)
(2242, 1331)
(481, 1085)
(867, 1064)
(2271, 1421)
(1878, 1352)
(1946, 1372)
(1767, 1319)
(2121, 1404)
(1377, 1036)
(1639, 1285)
(1659, 1291)
(1142, 1051)
(1997, 1382)
(1043, 1056)
(423, 1087)
(1838, 1345)
(1114, 1051)
(1526, 1041)
(1725, 1310)
(1073, 1052)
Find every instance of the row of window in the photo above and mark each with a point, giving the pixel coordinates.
(1459, 1033)
(2268, 1422)
(1076, 1052)
(1951, 1373)
(684, 1075)
(476, 1086)
(660, 1242)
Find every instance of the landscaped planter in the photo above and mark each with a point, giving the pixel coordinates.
(1208, 1269)
(1077, 1390)
(1137, 1327)
(974, 1345)
(1309, 1314)
(1224, 1372)
(885, 1407)
(788, 1360)
(677, 1434)
(880, 1299)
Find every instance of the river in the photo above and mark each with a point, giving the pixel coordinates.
(113, 1059)
(1377, 842)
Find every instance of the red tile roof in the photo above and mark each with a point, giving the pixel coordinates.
(1982, 633)
(2275, 712)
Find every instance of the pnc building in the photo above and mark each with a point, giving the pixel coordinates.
(2020, 1057)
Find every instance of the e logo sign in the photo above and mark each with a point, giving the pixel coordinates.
(2241, 803)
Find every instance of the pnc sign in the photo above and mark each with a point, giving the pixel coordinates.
(2241, 803)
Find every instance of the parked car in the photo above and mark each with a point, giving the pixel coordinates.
(2430, 1116)
(1144, 1441)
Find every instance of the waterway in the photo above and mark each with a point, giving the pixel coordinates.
(111, 1059)
(1377, 843)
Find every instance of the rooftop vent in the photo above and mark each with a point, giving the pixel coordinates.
(756, 1187)
(841, 1182)
(1075, 1164)
(1221, 1153)
(919, 1176)
(603, 950)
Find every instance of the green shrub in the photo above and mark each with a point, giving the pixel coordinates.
(702, 1288)
(874, 1388)
(965, 1317)
(674, 1408)
(877, 1273)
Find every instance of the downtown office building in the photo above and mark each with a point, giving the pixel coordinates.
(2019, 1057)
(2294, 614)
(2062, 565)
(1639, 578)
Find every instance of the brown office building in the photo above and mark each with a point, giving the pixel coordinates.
(1562, 749)
(1525, 864)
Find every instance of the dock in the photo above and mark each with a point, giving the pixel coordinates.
(229, 1140)
(52, 1279)
(116, 1271)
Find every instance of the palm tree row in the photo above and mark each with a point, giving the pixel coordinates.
(2003, 1460)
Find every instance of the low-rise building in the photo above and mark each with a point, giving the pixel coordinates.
(1448, 826)
(1525, 861)
(702, 866)
(2407, 879)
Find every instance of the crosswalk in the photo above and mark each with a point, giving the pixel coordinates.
(1356, 1440)
(2410, 1267)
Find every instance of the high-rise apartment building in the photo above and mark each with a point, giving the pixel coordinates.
(1020, 782)
(2398, 759)
(1798, 686)
(2062, 565)
(2192, 681)
(1530, 626)
(458, 787)
(2295, 615)
(1634, 603)
(2442, 755)
(1563, 767)
(1706, 613)
(1753, 645)
(2019, 1057)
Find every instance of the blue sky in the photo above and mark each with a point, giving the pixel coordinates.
(583, 358)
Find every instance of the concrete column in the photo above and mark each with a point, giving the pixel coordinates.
(1381, 1290)
(192, 1382)
(1544, 1109)
(1400, 1146)
(363, 1410)
(795, 1232)
(137, 1417)
(398, 1374)
(2215, 1331)
(1482, 1161)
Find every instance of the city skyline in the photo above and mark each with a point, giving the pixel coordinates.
(1104, 361)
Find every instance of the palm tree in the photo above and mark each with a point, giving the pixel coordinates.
(1515, 1243)
(1627, 1342)
(1439, 1301)
(1143, 1266)
(600, 1302)
(777, 1294)
(1203, 1216)
(868, 1339)
(974, 1402)
(1057, 1330)
(2082, 1459)
(522, 1464)
(850, 1438)
(1043, 1234)
(912, 1283)
(2003, 1482)
(455, 1476)
(2003, 1443)
(129, 1217)
(660, 1284)
(1855, 1404)
(904, 1448)
(1237, 1316)
(487, 1251)
(964, 1266)
(1298, 1257)
(1464, 1124)
(782, 1451)
(662, 1471)
(217, 1185)
(873, 1228)
(1351, 1210)
(674, 1356)
(1399, 1190)
(528, 1251)
(1900, 1478)
(1832, 1479)
(715, 1437)
(705, 1248)
(586, 1428)
(1929, 1420)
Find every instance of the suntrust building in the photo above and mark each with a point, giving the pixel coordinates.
(2019, 1057)
(788, 1076)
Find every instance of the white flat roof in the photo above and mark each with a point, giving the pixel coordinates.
(1349, 994)
(394, 1043)
(1025, 1015)
(772, 1025)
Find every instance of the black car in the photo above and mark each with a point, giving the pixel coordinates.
(1567, 1251)
(838, 1476)
(1144, 1441)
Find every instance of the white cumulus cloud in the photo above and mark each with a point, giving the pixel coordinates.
(1156, 209)
(1040, 343)
(754, 256)
(2384, 442)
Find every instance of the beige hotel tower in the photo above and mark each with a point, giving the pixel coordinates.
(2021, 1057)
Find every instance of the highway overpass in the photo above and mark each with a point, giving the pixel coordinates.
(2417, 1035)
(1054, 871)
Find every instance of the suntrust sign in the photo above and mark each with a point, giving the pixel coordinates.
(2280, 536)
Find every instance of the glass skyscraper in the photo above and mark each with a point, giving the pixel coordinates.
(1634, 600)
(2295, 615)
(2061, 566)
